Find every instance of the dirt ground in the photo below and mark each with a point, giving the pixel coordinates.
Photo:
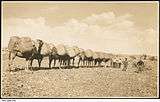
(78, 82)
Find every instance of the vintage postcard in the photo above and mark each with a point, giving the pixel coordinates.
(79, 49)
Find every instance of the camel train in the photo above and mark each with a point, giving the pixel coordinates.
(29, 49)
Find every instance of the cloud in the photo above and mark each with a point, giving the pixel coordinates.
(35, 28)
(101, 32)
(101, 19)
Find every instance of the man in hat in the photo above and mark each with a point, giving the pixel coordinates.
(125, 64)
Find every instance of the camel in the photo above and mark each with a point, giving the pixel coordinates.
(81, 58)
(61, 54)
(72, 52)
(139, 64)
(97, 58)
(22, 47)
(54, 55)
(44, 50)
(89, 57)
(106, 59)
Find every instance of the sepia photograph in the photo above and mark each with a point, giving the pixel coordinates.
(52, 49)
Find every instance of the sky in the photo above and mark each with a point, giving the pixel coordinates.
(122, 28)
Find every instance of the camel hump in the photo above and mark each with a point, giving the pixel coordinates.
(70, 51)
(100, 55)
(89, 53)
(77, 50)
(95, 55)
(46, 49)
(61, 49)
(53, 48)
(25, 44)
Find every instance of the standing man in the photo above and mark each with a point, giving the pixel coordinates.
(125, 64)
(111, 62)
(114, 63)
(119, 63)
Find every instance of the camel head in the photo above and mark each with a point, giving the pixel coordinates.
(38, 44)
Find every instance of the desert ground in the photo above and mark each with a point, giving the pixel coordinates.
(94, 82)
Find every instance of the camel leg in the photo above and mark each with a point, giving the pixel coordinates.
(63, 62)
(60, 62)
(39, 62)
(66, 62)
(11, 59)
(89, 63)
(31, 63)
(95, 62)
(27, 65)
(98, 64)
(86, 63)
(92, 64)
(50, 61)
(79, 62)
(69, 61)
(105, 65)
(54, 62)
(73, 61)
(111, 64)
(83, 63)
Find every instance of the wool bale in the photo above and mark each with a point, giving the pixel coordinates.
(81, 50)
(95, 55)
(13, 43)
(53, 48)
(88, 53)
(71, 51)
(61, 49)
(77, 50)
(81, 53)
(25, 44)
(46, 49)
(38, 43)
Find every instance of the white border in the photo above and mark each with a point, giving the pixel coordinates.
(69, 2)
(158, 49)
(81, 100)
(80, 2)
